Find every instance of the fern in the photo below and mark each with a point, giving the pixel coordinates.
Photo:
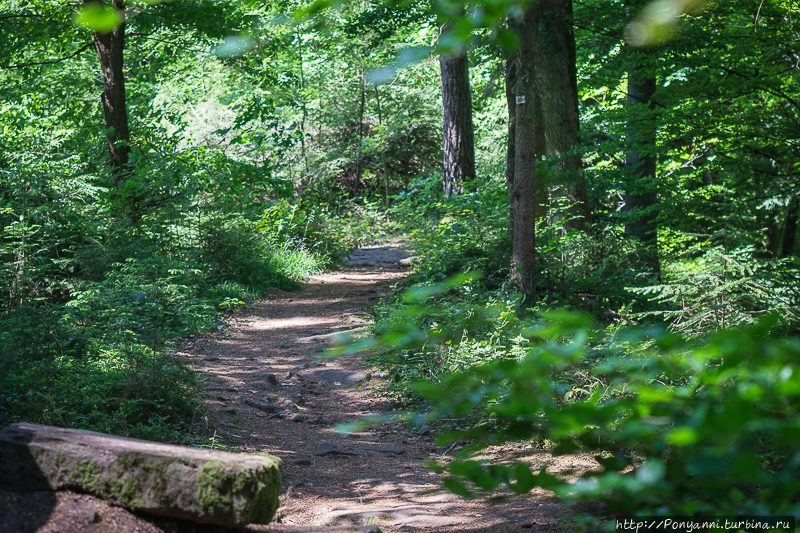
(724, 290)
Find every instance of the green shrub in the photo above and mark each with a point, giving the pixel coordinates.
(102, 360)
(707, 428)
(462, 234)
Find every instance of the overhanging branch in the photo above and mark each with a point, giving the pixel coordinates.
(59, 60)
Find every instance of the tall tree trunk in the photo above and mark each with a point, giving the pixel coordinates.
(459, 138)
(511, 86)
(556, 79)
(640, 159)
(521, 92)
(109, 47)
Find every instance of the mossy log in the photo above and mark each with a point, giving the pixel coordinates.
(207, 486)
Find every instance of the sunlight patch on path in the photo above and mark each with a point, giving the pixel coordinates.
(294, 322)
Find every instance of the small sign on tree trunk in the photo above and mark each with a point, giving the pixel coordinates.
(520, 100)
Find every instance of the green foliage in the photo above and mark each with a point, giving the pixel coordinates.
(91, 302)
(722, 290)
(73, 380)
(462, 234)
(265, 161)
(703, 428)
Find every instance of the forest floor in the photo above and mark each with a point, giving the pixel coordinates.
(268, 389)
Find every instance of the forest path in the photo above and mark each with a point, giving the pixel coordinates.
(268, 390)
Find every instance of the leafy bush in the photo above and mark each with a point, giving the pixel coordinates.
(125, 294)
(464, 233)
(705, 429)
(328, 227)
(129, 390)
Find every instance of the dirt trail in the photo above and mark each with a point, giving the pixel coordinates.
(268, 390)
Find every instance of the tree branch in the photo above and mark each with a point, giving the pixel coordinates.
(598, 32)
(4, 17)
(648, 101)
(34, 63)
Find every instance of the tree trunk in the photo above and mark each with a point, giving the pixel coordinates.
(640, 159)
(383, 151)
(521, 91)
(790, 232)
(511, 85)
(556, 80)
(459, 140)
(109, 47)
(359, 166)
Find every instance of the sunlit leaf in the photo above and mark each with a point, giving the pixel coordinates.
(98, 17)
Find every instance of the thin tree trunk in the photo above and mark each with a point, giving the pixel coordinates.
(511, 85)
(542, 207)
(640, 159)
(556, 79)
(110, 47)
(790, 232)
(521, 75)
(383, 152)
(303, 153)
(459, 140)
(362, 96)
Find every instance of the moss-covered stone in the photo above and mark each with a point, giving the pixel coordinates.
(203, 485)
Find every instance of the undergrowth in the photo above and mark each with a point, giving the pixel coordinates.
(88, 333)
(684, 392)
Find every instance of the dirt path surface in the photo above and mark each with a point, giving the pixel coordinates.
(269, 390)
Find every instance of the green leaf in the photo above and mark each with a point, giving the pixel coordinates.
(456, 487)
(98, 17)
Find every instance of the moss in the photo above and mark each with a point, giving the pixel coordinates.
(213, 496)
(137, 467)
(129, 461)
(84, 474)
(265, 502)
(156, 472)
(218, 481)
(130, 493)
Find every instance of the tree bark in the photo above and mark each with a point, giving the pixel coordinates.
(110, 50)
(109, 47)
(790, 231)
(556, 80)
(459, 140)
(521, 92)
(383, 150)
(640, 159)
(359, 166)
(511, 84)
